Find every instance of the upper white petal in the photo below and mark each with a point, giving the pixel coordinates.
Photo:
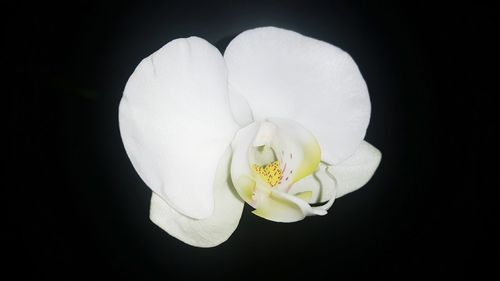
(207, 232)
(175, 123)
(357, 170)
(284, 74)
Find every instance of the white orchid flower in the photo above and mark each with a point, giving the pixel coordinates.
(277, 122)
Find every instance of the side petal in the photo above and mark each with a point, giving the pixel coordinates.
(357, 170)
(284, 74)
(208, 232)
(175, 123)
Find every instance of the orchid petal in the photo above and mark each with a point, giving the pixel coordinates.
(285, 74)
(175, 123)
(356, 170)
(207, 232)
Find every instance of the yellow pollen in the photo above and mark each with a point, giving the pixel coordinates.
(270, 173)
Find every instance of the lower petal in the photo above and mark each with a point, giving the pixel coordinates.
(208, 232)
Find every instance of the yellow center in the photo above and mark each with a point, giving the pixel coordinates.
(270, 173)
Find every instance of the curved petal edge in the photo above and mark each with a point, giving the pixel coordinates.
(175, 123)
(208, 232)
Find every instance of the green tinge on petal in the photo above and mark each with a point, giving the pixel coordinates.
(245, 187)
(302, 150)
(298, 154)
(282, 207)
(267, 204)
(278, 209)
(306, 195)
(321, 183)
(310, 162)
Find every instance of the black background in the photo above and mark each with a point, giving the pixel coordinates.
(76, 209)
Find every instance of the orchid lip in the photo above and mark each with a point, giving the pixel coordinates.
(270, 157)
